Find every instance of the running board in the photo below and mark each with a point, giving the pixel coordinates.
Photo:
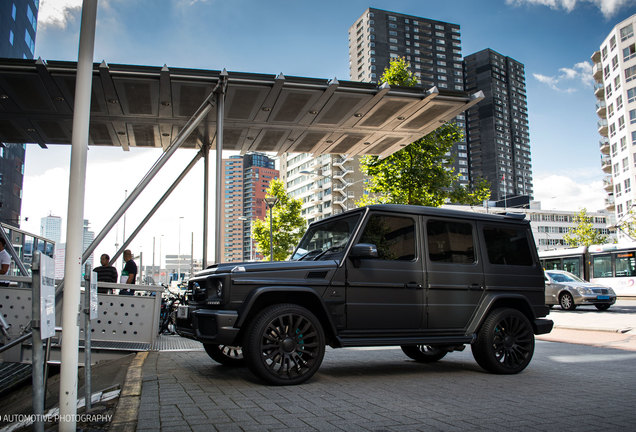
(345, 342)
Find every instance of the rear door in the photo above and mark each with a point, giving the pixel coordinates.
(455, 273)
(385, 293)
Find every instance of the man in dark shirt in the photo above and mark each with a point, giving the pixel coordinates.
(129, 273)
(105, 273)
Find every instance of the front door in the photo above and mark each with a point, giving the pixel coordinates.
(385, 293)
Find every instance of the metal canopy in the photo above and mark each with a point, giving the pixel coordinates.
(143, 106)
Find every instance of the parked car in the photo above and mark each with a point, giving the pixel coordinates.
(569, 291)
(429, 280)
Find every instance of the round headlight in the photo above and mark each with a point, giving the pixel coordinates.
(219, 289)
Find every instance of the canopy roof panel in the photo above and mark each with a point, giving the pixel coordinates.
(143, 106)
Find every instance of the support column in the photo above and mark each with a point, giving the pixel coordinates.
(220, 114)
(74, 227)
(206, 194)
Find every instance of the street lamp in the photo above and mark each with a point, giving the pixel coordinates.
(271, 202)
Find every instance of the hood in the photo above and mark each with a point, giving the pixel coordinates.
(266, 267)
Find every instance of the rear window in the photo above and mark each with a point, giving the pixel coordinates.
(508, 246)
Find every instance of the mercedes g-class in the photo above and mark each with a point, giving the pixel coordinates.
(426, 279)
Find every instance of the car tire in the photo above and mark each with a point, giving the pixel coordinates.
(566, 301)
(424, 353)
(602, 306)
(505, 342)
(225, 354)
(284, 344)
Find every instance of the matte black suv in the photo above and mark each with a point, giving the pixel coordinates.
(427, 279)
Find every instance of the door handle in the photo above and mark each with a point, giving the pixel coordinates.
(413, 285)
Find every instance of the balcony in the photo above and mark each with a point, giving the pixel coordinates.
(602, 127)
(608, 184)
(596, 57)
(339, 161)
(599, 91)
(610, 205)
(606, 164)
(597, 72)
(604, 146)
(601, 109)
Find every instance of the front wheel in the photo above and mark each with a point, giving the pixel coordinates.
(602, 306)
(284, 344)
(505, 342)
(567, 301)
(225, 354)
(424, 353)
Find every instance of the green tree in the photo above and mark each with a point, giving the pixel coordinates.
(419, 173)
(583, 233)
(288, 225)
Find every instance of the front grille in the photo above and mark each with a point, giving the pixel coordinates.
(600, 290)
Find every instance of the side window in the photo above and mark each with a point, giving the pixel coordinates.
(602, 266)
(552, 264)
(393, 236)
(508, 246)
(450, 242)
(625, 264)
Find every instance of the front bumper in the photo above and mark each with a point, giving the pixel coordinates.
(592, 299)
(209, 326)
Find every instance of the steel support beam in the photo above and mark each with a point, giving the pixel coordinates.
(206, 195)
(220, 114)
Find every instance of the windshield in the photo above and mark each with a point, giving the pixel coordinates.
(326, 240)
(564, 277)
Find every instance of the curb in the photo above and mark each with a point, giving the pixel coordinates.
(125, 417)
(599, 329)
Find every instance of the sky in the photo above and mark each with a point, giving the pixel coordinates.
(554, 39)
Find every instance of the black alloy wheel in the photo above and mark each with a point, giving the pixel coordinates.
(225, 354)
(567, 301)
(424, 353)
(284, 344)
(602, 306)
(505, 342)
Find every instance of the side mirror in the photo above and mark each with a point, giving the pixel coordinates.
(364, 251)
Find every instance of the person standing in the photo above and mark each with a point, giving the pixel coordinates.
(5, 260)
(105, 273)
(129, 273)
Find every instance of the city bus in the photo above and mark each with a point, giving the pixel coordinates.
(612, 265)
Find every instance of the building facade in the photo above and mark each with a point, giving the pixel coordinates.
(327, 184)
(497, 127)
(432, 48)
(245, 183)
(18, 25)
(550, 226)
(615, 74)
(51, 228)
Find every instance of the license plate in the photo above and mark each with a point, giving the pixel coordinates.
(602, 297)
(182, 312)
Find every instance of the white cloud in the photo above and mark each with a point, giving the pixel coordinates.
(581, 72)
(561, 192)
(58, 13)
(607, 7)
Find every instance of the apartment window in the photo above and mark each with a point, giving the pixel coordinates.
(608, 90)
(614, 62)
(623, 143)
(631, 95)
(632, 116)
(612, 43)
(392, 33)
(439, 27)
(628, 185)
(604, 52)
(392, 18)
(629, 52)
(617, 82)
(393, 40)
(393, 26)
(614, 150)
(634, 140)
(630, 73)
(626, 32)
(621, 123)
(625, 164)
(393, 47)
(616, 170)
(617, 189)
(619, 102)
(610, 110)
(612, 130)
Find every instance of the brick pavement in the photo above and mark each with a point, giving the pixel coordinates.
(566, 388)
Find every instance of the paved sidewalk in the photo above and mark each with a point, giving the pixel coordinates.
(565, 388)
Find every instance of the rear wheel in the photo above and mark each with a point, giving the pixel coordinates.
(424, 353)
(505, 342)
(567, 301)
(285, 344)
(225, 354)
(602, 306)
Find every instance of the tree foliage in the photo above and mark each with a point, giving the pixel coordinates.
(288, 224)
(419, 173)
(583, 233)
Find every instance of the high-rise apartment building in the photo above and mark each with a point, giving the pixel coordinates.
(326, 184)
(615, 74)
(245, 182)
(51, 228)
(18, 24)
(433, 49)
(497, 127)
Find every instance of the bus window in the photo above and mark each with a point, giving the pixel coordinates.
(573, 265)
(602, 266)
(552, 264)
(625, 264)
